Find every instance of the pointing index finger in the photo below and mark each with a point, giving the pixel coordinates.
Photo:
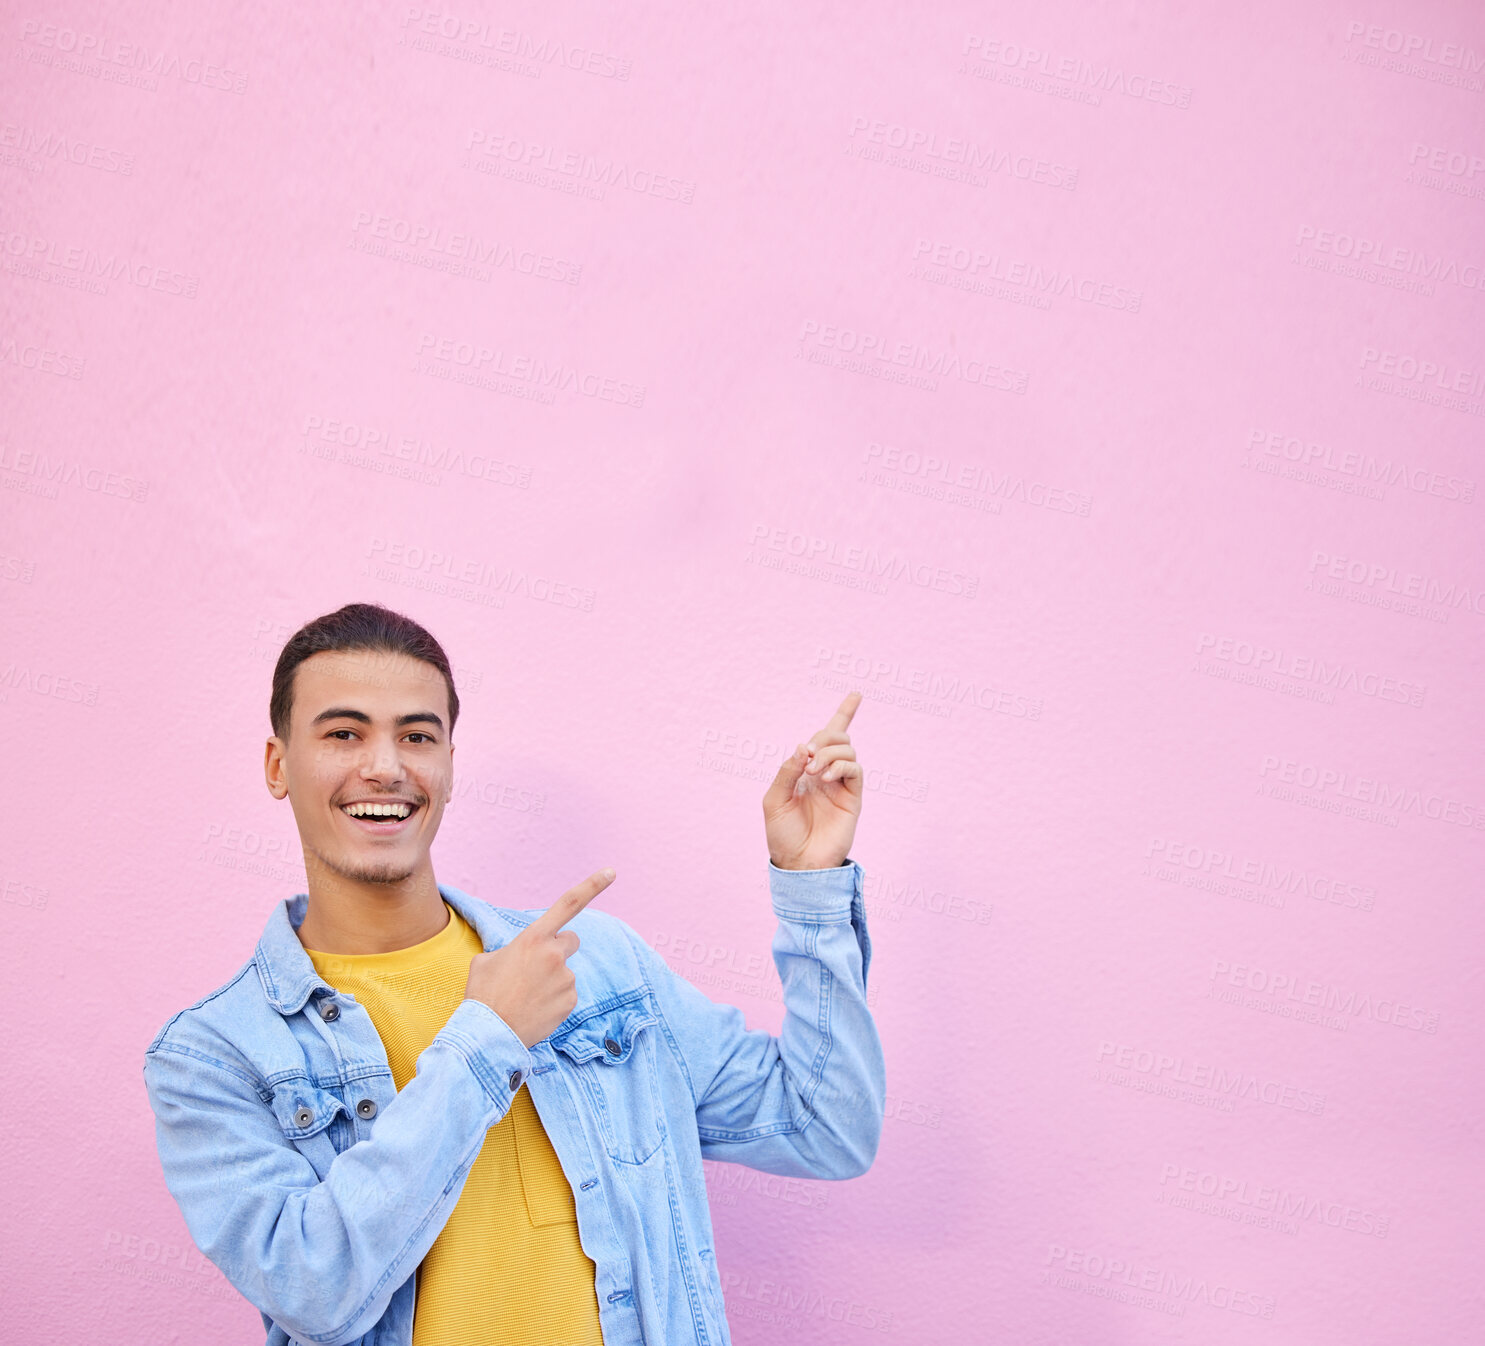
(844, 711)
(570, 904)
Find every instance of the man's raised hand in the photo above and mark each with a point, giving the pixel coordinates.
(527, 981)
(810, 810)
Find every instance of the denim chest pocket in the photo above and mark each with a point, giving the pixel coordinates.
(314, 1120)
(612, 1053)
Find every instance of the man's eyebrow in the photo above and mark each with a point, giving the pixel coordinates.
(361, 717)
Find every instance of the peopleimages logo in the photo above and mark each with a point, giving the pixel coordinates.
(1281, 663)
(472, 362)
(850, 348)
(1280, 879)
(597, 171)
(1135, 1277)
(467, 247)
(1439, 159)
(931, 255)
(1389, 579)
(1323, 780)
(1282, 1202)
(956, 150)
(513, 42)
(51, 471)
(363, 444)
(45, 682)
(389, 559)
(1096, 76)
(1321, 995)
(63, 146)
(1177, 1070)
(1396, 257)
(1398, 43)
(27, 354)
(814, 551)
(1382, 471)
(93, 270)
(886, 676)
(130, 56)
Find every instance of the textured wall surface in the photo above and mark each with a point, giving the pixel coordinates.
(1098, 388)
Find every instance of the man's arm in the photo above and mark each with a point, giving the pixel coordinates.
(323, 1258)
(809, 1102)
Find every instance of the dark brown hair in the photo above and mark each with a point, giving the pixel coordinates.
(357, 626)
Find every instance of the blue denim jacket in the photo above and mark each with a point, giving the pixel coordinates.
(317, 1187)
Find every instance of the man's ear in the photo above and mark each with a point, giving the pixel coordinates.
(448, 798)
(273, 767)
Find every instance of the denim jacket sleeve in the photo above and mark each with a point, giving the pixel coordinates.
(323, 1258)
(809, 1102)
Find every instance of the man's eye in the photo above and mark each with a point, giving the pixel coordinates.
(417, 735)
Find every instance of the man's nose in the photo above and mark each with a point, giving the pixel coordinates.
(382, 761)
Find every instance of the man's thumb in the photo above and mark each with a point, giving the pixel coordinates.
(790, 770)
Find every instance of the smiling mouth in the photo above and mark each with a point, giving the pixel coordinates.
(381, 818)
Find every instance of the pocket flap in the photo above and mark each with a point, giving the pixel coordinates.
(303, 1109)
(607, 1035)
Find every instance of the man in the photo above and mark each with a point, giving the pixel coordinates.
(413, 1118)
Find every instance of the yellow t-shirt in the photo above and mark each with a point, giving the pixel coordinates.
(507, 1266)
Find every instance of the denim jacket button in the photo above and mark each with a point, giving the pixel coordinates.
(515, 1080)
(329, 1011)
(366, 1108)
(303, 1117)
(611, 1047)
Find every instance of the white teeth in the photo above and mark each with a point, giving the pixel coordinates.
(377, 810)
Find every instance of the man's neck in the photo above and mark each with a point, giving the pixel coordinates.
(348, 917)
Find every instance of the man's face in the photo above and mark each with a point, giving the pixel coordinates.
(368, 728)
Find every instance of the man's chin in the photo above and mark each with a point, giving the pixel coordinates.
(369, 871)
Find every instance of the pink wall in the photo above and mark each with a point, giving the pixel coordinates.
(1099, 388)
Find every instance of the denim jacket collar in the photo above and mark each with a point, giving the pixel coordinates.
(289, 977)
